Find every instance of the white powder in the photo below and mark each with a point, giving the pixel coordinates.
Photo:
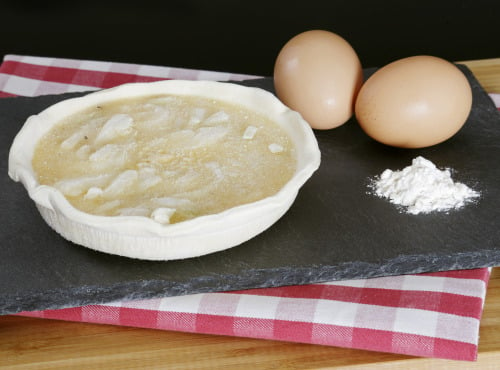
(422, 188)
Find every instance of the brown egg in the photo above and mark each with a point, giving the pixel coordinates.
(414, 102)
(318, 74)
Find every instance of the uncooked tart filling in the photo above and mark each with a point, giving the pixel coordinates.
(167, 157)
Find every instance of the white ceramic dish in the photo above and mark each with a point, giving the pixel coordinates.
(141, 237)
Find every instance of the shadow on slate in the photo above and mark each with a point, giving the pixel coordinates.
(334, 230)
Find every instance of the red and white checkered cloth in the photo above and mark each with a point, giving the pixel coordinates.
(431, 315)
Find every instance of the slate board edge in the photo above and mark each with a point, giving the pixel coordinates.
(250, 279)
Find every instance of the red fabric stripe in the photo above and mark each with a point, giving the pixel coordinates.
(214, 324)
(30, 314)
(481, 273)
(386, 341)
(374, 340)
(424, 300)
(67, 314)
(302, 332)
(318, 291)
(138, 317)
(445, 348)
(299, 331)
(6, 95)
(114, 79)
(295, 291)
(23, 69)
(71, 75)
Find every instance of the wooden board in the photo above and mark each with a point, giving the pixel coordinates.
(38, 343)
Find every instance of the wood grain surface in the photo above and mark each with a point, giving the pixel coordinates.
(29, 343)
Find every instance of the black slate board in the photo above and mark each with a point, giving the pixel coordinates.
(335, 229)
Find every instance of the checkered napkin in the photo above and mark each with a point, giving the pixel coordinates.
(431, 315)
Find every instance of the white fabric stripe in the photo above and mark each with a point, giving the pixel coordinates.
(40, 61)
(30, 87)
(471, 288)
(414, 321)
(392, 282)
(375, 317)
(90, 65)
(466, 287)
(263, 307)
(459, 328)
(144, 304)
(185, 304)
(406, 320)
(496, 99)
(436, 325)
(335, 313)
(13, 57)
(155, 71)
(188, 304)
(211, 75)
(78, 88)
(171, 72)
(142, 70)
(347, 314)
(424, 283)
(19, 85)
(112, 304)
(224, 76)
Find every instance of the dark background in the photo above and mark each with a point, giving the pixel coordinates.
(245, 36)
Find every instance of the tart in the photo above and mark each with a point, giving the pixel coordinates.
(164, 170)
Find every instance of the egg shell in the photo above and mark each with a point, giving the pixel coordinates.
(414, 102)
(318, 74)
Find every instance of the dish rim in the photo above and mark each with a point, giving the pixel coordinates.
(261, 101)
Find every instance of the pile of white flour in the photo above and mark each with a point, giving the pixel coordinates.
(422, 188)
